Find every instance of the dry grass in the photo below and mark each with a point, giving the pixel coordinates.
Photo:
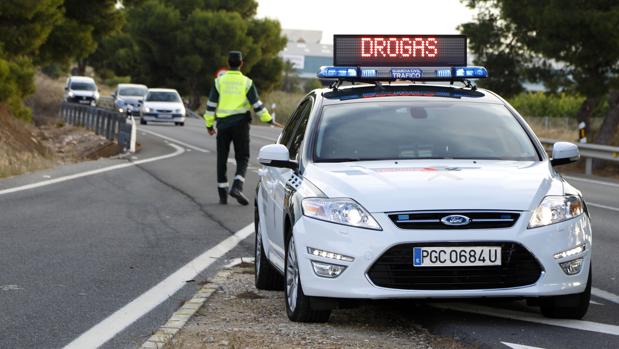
(286, 104)
(45, 102)
(20, 150)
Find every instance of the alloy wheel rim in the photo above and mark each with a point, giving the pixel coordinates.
(292, 276)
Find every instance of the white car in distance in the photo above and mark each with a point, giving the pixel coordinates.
(82, 90)
(162, 105)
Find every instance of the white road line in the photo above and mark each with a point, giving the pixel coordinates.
(594, 302)
(190, 146)
(605, 295)
(603, 206)
(178, 151)
(529, 317)
(519, 346)
(147, 301)
(587, 180)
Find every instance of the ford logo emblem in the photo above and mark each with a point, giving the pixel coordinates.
(455, 220)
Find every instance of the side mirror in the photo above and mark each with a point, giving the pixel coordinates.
(276, 155)
(66, 88)
(564, 153)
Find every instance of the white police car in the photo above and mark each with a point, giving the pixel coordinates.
(380, 191)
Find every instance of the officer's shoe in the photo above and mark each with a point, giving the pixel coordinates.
(236, 191)
(223, 196)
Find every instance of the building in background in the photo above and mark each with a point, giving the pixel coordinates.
(306, 53)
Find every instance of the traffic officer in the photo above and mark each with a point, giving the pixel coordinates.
(228, 108)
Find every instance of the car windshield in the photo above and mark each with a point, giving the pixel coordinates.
(132, 91)
(420, 130)
(83, 86)
(158, 96)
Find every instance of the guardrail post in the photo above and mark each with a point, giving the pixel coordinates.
(108, 125)
(589, 166)
(97, 122)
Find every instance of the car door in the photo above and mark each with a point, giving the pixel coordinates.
(282, 175)
(267, 185)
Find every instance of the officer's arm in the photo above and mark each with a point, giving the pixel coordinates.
(259, 108)
(211, 106)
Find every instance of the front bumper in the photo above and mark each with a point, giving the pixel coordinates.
(367, 246)
(156, 117)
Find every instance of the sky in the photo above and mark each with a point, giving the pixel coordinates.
(368, 16)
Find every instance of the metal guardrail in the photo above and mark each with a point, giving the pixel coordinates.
(590, 152)
(110, 124)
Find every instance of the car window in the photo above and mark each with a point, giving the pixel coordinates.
(421, 130)
(291, 124)
(299, 133)
(159, 96)
(132, 91)
(83, 86)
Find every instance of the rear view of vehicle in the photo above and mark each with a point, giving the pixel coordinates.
(82, 90)
(128, 98)
(162, 105)
(417, 191)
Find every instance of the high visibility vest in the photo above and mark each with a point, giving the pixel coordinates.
(232, 87)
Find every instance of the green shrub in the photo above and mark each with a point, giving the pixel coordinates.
(115, 80)
(311, 84)
(539, 104)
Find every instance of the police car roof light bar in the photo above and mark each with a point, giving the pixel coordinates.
(370, 74)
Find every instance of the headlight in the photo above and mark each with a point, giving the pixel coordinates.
(340, 211)
(555, 209)
(177, 111)
(146, 109)
(121, 110)
(71, 94)
(96, 95)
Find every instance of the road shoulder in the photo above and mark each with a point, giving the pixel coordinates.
(234, 314)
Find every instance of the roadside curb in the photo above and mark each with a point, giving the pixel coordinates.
(180, 317)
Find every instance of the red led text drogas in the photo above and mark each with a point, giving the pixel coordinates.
(401, 47)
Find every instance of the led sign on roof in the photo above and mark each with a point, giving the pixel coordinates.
(399, 50)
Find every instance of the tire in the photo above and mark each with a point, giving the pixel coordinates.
(181, 124)
(143, 122)
(298, 305)
(266, 276)
(571, 306)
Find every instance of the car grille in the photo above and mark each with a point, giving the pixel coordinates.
(432, 219)
(394, 269)
(163, 111)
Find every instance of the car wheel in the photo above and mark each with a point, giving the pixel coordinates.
(572, 306)
(266, 277)
(298, 305)
(143, 122)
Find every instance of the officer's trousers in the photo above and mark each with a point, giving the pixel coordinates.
(238, 135)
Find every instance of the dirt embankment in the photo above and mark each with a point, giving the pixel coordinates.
(48, 142)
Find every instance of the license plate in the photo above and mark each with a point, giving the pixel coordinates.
(456, 256)
(84, 101)
(165, 116)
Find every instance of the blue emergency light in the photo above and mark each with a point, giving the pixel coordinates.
(402, 73)
(400, 57)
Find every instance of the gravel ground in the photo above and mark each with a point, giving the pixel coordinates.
(240, 316)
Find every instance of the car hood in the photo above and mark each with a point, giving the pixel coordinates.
(164, 105)
(83, 93)
(383, 186)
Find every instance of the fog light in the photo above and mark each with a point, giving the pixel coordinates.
(327, 254)
(571, 252)
(327, 270)
(572, 267)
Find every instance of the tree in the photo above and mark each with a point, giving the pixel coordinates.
(582, 35)
(291, 78)
(84, 25)
(24, 27)
(183, 43)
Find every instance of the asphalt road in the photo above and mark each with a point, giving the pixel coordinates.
(77, 246)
